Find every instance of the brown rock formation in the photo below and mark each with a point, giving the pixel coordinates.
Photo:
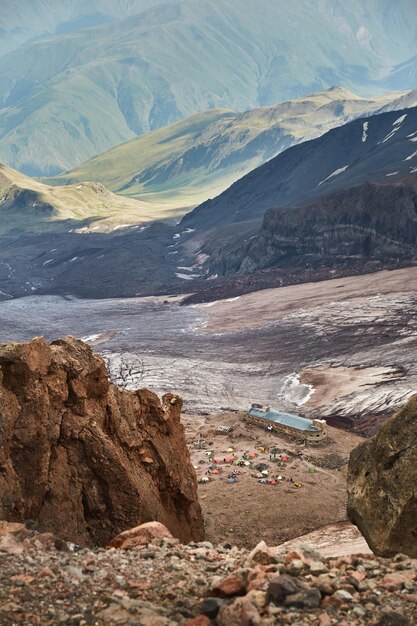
(382, 495)
(83, 458)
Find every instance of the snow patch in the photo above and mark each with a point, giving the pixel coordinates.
(400, 120)
(74, 258)
(47, 262)
(413, 139)
(365, 131)
(397, 126)
(295, 391)
(411, 156)
(206, 304)
(335, 173)
(187, 276)
(413, 170)
(392, 174)
(90, 338)
(119, 226)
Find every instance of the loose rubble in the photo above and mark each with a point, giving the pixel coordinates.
(47, 581)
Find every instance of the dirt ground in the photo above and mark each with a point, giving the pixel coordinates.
(247, 511)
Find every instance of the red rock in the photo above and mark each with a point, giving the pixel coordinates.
(140, 536)
(12, 528)
(232, 586)
(358, 576)
(325, 620)
(9, 545)
(396, 580)
(85, 476)
(199, 620)
(45, 572)
(22, 578)
(331, 602)
(294, 555)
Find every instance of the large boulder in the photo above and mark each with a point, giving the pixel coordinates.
(382, 485)
(83, 458)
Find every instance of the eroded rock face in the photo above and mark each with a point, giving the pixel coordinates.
(83, 458)
(382, 480)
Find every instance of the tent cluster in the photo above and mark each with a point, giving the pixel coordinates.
(232, 465)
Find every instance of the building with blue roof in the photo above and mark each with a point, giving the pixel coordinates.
(314, 430)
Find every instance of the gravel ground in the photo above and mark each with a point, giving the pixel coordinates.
(46, 581)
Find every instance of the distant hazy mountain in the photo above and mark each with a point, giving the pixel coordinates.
(187, 162)
(79, 91)
(404, 74)
(24, 21)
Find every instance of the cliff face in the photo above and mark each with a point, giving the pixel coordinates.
(382, 496)
(84, 458)
(371, 221)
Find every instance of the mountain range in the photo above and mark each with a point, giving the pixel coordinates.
(339, 201)
(350, 193)
(79, 80)
(187, 162)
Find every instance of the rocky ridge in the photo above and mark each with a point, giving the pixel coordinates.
(83, 458)
(344, 227)
(164, 583)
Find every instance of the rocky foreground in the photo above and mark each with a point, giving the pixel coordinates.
(86, 459)
(159, 582)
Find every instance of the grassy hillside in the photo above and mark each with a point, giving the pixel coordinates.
(187, 162)
(72, 96)
(27, 205)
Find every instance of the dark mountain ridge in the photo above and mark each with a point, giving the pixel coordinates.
(372, 148)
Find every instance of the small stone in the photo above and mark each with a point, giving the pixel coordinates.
(199, 620)
(293, 555)
(281, 587)
(262, 554)
(232, 586)
(205, 544)
(392, 618)
(308, 599)
(241, 612)
(359, 611)
(211, 607)
(325, 584)
(395, 580)
(140, 536)
(343, 595)
(317, 568)
(296, 566)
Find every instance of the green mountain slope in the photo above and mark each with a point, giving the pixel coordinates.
(190, 161)
(27, 205)
(156, 67)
